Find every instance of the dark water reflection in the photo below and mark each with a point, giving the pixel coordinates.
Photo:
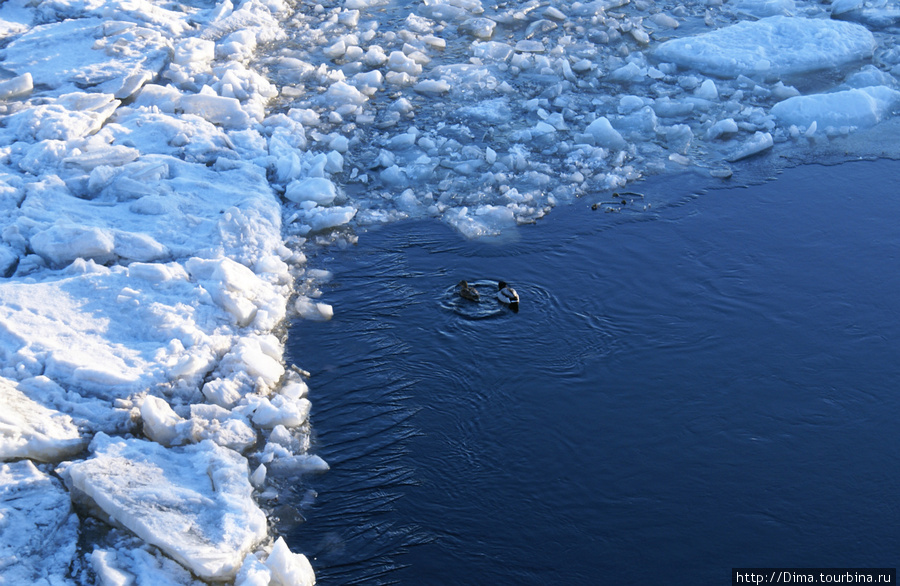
(712, 384)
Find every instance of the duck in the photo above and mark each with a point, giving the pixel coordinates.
(507, 295)
(467, 292)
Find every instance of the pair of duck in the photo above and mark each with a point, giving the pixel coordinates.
(506, 294)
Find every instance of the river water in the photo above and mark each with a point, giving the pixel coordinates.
(704, 379)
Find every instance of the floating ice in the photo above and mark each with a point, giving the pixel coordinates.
(604, 134)
(857, 107)
(194, 503)
(289, 568)
(777, 46)
(318, 190)
(877, 13)
(759, 142)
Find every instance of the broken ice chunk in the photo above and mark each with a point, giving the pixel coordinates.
(315, 189)
(31, 430)
(194, 503)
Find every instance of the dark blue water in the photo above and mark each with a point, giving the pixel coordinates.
(708, 384)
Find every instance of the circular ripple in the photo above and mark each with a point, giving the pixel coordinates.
(489, 306)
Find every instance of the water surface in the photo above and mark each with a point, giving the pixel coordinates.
(707, 383)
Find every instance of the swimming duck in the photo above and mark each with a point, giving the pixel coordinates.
(507, 295)
(467, 292)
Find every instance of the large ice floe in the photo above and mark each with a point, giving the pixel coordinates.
(165, 168)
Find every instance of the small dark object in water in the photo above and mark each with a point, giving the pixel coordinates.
(467, 292)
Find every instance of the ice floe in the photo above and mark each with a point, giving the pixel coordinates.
(194, 503)
(774, 47)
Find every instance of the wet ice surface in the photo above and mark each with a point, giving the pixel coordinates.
(166, 167)
(682, 392)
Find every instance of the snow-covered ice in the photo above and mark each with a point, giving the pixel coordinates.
(194, 503)
(774, 47)
(39, 529)
(165, 168)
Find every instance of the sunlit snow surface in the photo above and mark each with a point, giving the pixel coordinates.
(165, 164)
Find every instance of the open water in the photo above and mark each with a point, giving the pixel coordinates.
(704, 379)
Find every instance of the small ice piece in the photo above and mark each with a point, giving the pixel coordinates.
(811, 131)
(31, 430)
(481, 28)
(554, 13)
(721, 128)
(629, 104)
(783, 92)
(368, 82)
(777, 46)
(258, 478)
(492, 51)
(226, 112)
(259, 359)
(432, 86)
(526, 46)
(398, 62)
(375, 56)
(663, 19)
(349, 18)
(225, 428)
(582, 66)
(857, 107)
(289, 568)
(630, 72)
(639, 125)
(336, 50)
(640, 35)
(194, 503)
(341, 93)
(279, 410)
(313, 310)
(759, 142)
(707, 90)
(605, 135)
(320, 219)
(161, 423)
(315, 189)
(679, 138)
(62, 243)
(299, 464)
(16, 87)
(668, 108)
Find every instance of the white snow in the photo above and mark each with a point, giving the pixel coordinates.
(164, 167)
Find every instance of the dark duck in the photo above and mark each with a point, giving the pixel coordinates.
(468, 292)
